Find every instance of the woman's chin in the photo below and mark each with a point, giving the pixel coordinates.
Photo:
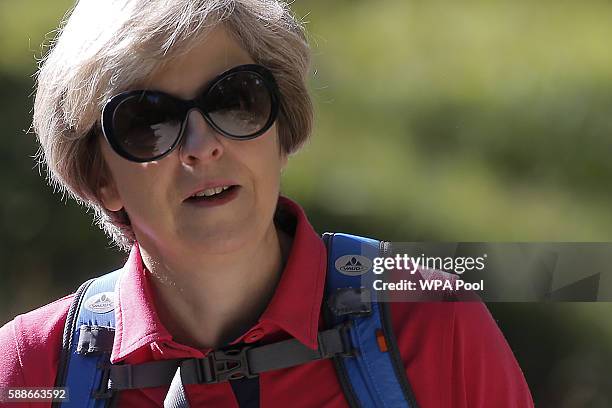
(217, 242)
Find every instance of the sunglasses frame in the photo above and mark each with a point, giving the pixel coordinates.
(186, 106)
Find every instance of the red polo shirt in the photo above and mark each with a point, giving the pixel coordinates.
(454, 354)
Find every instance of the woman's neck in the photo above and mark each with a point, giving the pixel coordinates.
(212, 305)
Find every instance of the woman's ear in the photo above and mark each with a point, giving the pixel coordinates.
(109, 195)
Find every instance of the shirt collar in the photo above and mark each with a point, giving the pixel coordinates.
(136, 320)
(294, 307)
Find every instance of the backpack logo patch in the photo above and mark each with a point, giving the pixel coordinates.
(353, 265)
(101, 303)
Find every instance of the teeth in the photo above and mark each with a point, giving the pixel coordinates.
(211, 191)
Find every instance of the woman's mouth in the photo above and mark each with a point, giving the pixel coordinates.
(214, 196)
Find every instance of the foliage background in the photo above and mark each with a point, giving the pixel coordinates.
(437, 120)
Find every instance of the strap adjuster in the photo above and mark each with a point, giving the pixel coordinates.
(350, 302)
(104, 391)
(345, 337)
(219, 366)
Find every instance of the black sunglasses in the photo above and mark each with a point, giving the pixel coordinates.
(241, 103)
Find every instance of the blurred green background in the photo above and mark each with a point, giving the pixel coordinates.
(440, 120)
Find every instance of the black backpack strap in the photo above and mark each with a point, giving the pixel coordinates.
(229, 363)
(391, 340)
(394, 353)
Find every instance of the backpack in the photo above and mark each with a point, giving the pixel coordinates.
(360, 341)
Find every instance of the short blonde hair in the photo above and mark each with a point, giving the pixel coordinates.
(105, 47)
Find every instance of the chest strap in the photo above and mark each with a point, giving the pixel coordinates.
(222, 365)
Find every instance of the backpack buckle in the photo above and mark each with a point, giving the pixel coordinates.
(224, 365)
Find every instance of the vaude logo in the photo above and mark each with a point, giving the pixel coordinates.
(101, 302)
(353, 265)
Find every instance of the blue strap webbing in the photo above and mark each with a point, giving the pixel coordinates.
(83, 373)
(371, 373)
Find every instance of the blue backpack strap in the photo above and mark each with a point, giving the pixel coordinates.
(87, 343)
(371, 377)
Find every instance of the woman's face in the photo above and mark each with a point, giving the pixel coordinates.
(155, 194)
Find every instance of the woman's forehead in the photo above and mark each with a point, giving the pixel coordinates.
(188, 73)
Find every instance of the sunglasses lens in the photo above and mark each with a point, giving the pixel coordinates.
(240, 105)
(146, 125)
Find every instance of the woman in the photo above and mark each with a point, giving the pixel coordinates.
(173, 121)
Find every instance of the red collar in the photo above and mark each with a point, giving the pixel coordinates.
(294, 308)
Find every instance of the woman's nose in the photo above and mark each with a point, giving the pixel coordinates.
(200, 141)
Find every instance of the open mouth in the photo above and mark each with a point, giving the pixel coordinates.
(210, 195)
